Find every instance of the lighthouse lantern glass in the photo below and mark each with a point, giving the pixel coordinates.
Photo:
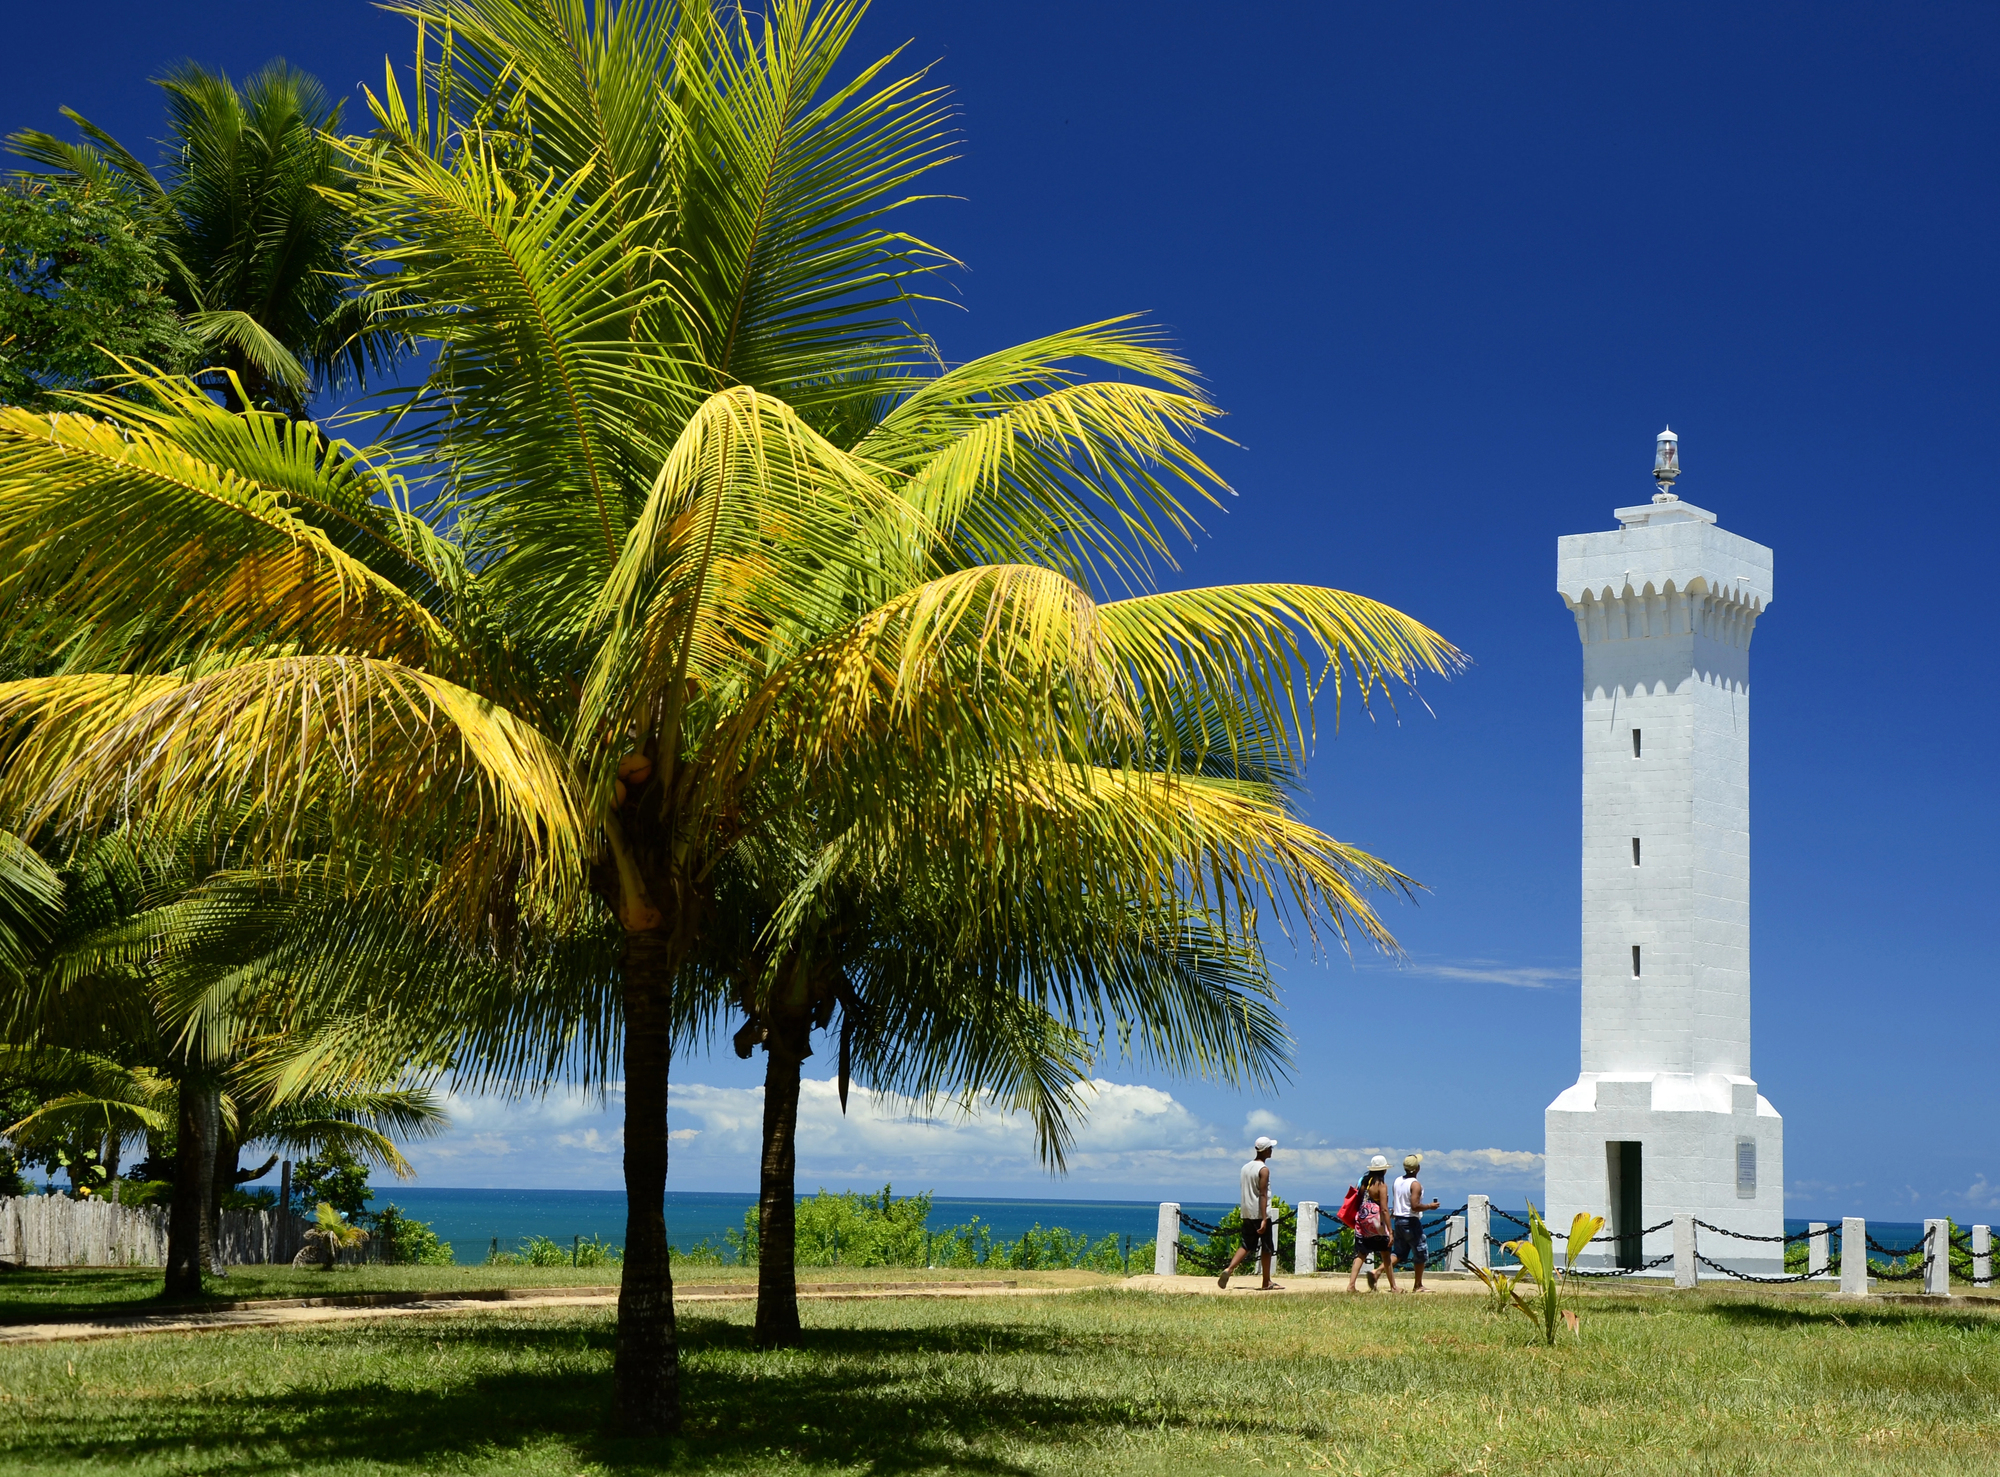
(1667, 457)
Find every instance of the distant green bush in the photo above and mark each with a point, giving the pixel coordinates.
(542, 1251)
(409, 1243)
(847, 1229)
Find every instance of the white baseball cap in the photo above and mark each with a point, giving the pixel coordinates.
(1378, 1162)
(1264, 1143)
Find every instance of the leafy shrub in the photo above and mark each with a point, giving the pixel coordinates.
(242, 1200)
(850, 1230)
(410, 1243)
(540, 1251)
(590, 1252)
(77, 279)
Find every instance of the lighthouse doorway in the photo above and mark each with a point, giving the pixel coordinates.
(1625, 1170)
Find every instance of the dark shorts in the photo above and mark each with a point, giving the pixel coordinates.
(1363, 1245)
(1258, 1238)
(1410, 1244)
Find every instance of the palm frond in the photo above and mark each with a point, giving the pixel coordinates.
(360, 748)
(236, 531)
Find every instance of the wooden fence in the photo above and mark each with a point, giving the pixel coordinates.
(56, 1231)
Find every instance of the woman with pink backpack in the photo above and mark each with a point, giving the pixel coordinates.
(1370, 1203)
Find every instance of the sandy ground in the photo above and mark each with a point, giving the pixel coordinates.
(1320, 1284)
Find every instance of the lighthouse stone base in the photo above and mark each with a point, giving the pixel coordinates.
(1702, 1145)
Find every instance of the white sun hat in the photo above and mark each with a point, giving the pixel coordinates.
(1265, 1143)
(1378, 1162)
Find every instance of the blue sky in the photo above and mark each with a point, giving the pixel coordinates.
(1450, 268)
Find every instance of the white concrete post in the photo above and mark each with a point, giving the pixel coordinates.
(1816, 1249)
(1454, 1243)
(1937, 1248)
(1854, 1256)
(1982, 1256)
(1686, 1273)
(1478, 1228)
(1167, 1245)
(1305, 1241)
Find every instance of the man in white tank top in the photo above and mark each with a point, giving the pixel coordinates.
(1254, 1205)
(1406, 1218)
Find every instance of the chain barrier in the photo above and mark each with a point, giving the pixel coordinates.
(1741, 1236)
(1750, 1276)
(1900, 1261)
(1962, 1243)
(1908, 1273)
(1202, 1262)
(1658, 1261)
(1202, 1226)
(1435, 1222)
(1666, 1225)
(1908, 1251)
(1899, 1270)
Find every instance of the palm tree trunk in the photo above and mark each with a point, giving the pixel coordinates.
(225, 1169)
(222, 1181)
(777, 1205)
(189, 1227)
(646, 1369)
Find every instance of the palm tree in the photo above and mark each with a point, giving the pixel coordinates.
(166, 999)
(246, 215)
(1005, 1020)
(101, 1096)
(655, 610)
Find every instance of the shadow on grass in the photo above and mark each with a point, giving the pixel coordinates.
(1784, 1316)
(895, 1400)
(45, 1295)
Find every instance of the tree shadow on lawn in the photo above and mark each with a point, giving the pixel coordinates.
(47, 1295)
(831, 1403)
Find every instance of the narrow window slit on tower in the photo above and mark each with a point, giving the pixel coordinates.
(1635, 851)
(1635, 961)
(1635, 743)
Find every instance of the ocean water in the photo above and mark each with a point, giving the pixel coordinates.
(478, 1221)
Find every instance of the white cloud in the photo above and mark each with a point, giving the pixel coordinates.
(1493, 972)
(1134, 1142)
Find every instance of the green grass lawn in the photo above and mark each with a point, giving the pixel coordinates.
(1098, 1380)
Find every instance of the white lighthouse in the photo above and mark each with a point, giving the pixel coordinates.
(1665, 1118)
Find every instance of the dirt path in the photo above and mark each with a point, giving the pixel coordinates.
(1325, 1283)
(285, 1312)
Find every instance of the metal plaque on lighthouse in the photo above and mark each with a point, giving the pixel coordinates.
(1665, 1118)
